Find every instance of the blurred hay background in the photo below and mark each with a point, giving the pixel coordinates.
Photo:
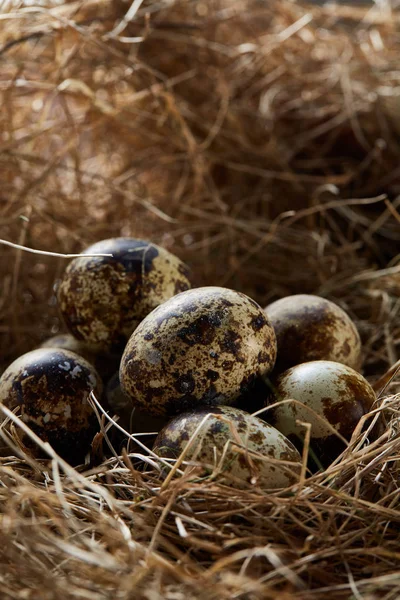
(260, 142)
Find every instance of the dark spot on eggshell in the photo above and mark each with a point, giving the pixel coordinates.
(312, 328)
(185, 384)
(184, 270)
(241, 425)
(231, 344)
(226, 303)
(256, 438)
(50, 388)
(227, 365)
(263, 357)
(212, 375)
(216, 427)
(223, 431)
(346, 348)
(201, 331)
(258, 322)
(197, 348)
(103, 299)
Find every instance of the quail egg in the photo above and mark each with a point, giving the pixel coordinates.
(241, 444)
(204, 346)
(103, 299)
(312, 328)
(51, 388)
(336, 393)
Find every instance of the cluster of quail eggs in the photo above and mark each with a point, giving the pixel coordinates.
(191, 364)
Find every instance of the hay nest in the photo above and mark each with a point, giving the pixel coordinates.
(260, 142)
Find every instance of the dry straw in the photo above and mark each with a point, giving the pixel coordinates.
(259, 141)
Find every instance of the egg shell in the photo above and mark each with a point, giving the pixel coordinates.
(312, 328)
(51, 389)
(226, 424)
(103, 299)
(337, 393)
(66, 341)
(204, 346)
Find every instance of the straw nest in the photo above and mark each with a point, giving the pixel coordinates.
(260, 142)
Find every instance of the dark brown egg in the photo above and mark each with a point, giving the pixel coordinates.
(51, 387)
(312, 328)
(336, 393)
(204, 346)
(243, 447)
(103, 299)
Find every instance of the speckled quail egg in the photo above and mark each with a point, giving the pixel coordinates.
(243, 444)
(51, 389)
(339, 396)
(312, 328)
(103, 299)
(204, 346)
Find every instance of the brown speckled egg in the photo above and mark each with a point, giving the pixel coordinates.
(337, 393)
(312, 328)
(103, 299)
(204, 346)
(51, 388)
(227, 425)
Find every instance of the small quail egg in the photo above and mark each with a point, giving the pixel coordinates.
(204, 346)
(51, 388)
(103, 299)
(339, 395)
(313, 328)
(244, 444)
